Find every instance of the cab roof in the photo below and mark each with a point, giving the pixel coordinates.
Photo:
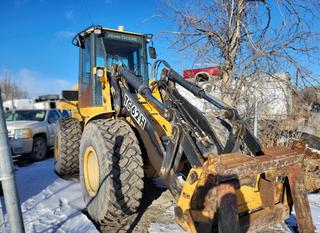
(93, 28)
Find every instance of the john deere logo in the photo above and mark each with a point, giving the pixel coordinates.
(134, 111)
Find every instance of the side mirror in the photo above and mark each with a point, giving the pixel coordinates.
(78, 41)
(152, 52)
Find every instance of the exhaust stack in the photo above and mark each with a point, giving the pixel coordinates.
(121, 28)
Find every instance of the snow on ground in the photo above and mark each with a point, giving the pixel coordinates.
(50, 204)
(161, 227)
(314, 200)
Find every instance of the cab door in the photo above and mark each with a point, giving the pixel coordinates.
(85, 73)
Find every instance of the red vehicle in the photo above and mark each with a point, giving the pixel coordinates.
(202, 73)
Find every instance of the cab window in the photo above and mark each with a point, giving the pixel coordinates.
(127, 49)
(86, 63)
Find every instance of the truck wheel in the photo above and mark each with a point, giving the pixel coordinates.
(111, 173)
(66, 148)
(39, 148)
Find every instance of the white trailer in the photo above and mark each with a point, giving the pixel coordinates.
(42, 102)
(46, 102)
(18, 104)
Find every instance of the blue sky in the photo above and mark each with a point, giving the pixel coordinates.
(35, 42)
(35, 39)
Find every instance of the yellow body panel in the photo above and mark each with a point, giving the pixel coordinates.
(71, 106)
(184, 201)
(106, 93)
(163, 126)
(248, 198)
(90, 112)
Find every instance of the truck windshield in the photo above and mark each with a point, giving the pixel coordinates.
(26, 115)
(129, 49)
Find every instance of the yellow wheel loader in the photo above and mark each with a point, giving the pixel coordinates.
(123, 123)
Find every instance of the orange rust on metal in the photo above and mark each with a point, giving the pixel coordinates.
(244, 166)
(311, 166)
(300, 199)
(261, 219)
(210, 166)
(228, 209)
(279, 189)
(298, 145)
(185, 195)
(210, 202)
(188, 218)
(266, 189)
(310, 154)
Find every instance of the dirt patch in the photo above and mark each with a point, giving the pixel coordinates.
(160, 212)
(157, 207)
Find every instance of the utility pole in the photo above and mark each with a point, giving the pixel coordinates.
(7, 178)
(12, 102)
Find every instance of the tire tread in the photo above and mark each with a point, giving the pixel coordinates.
(126, 173)
(67, 165)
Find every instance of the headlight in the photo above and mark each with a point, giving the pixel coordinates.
(22, 133)
(100, 73)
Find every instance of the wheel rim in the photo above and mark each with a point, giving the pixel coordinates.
(91, 171)
(56, 148)
(39, 149)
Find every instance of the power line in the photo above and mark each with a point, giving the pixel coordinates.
(88, 12)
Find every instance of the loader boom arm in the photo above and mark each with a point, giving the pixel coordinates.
(217, 182)
(231, 113)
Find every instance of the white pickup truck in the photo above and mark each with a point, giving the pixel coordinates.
(32, 132)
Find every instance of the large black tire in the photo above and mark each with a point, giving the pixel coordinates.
(120, 165)
(67, 144)
(39, 148)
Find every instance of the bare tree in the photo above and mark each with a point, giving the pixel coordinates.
(10, 90)
(248, 39)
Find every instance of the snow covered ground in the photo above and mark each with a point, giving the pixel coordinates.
(50, 204)
(314, 200)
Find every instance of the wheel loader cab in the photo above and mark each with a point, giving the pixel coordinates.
(102, 47)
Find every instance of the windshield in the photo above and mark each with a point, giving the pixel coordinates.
(129, 49)
(26, 115)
